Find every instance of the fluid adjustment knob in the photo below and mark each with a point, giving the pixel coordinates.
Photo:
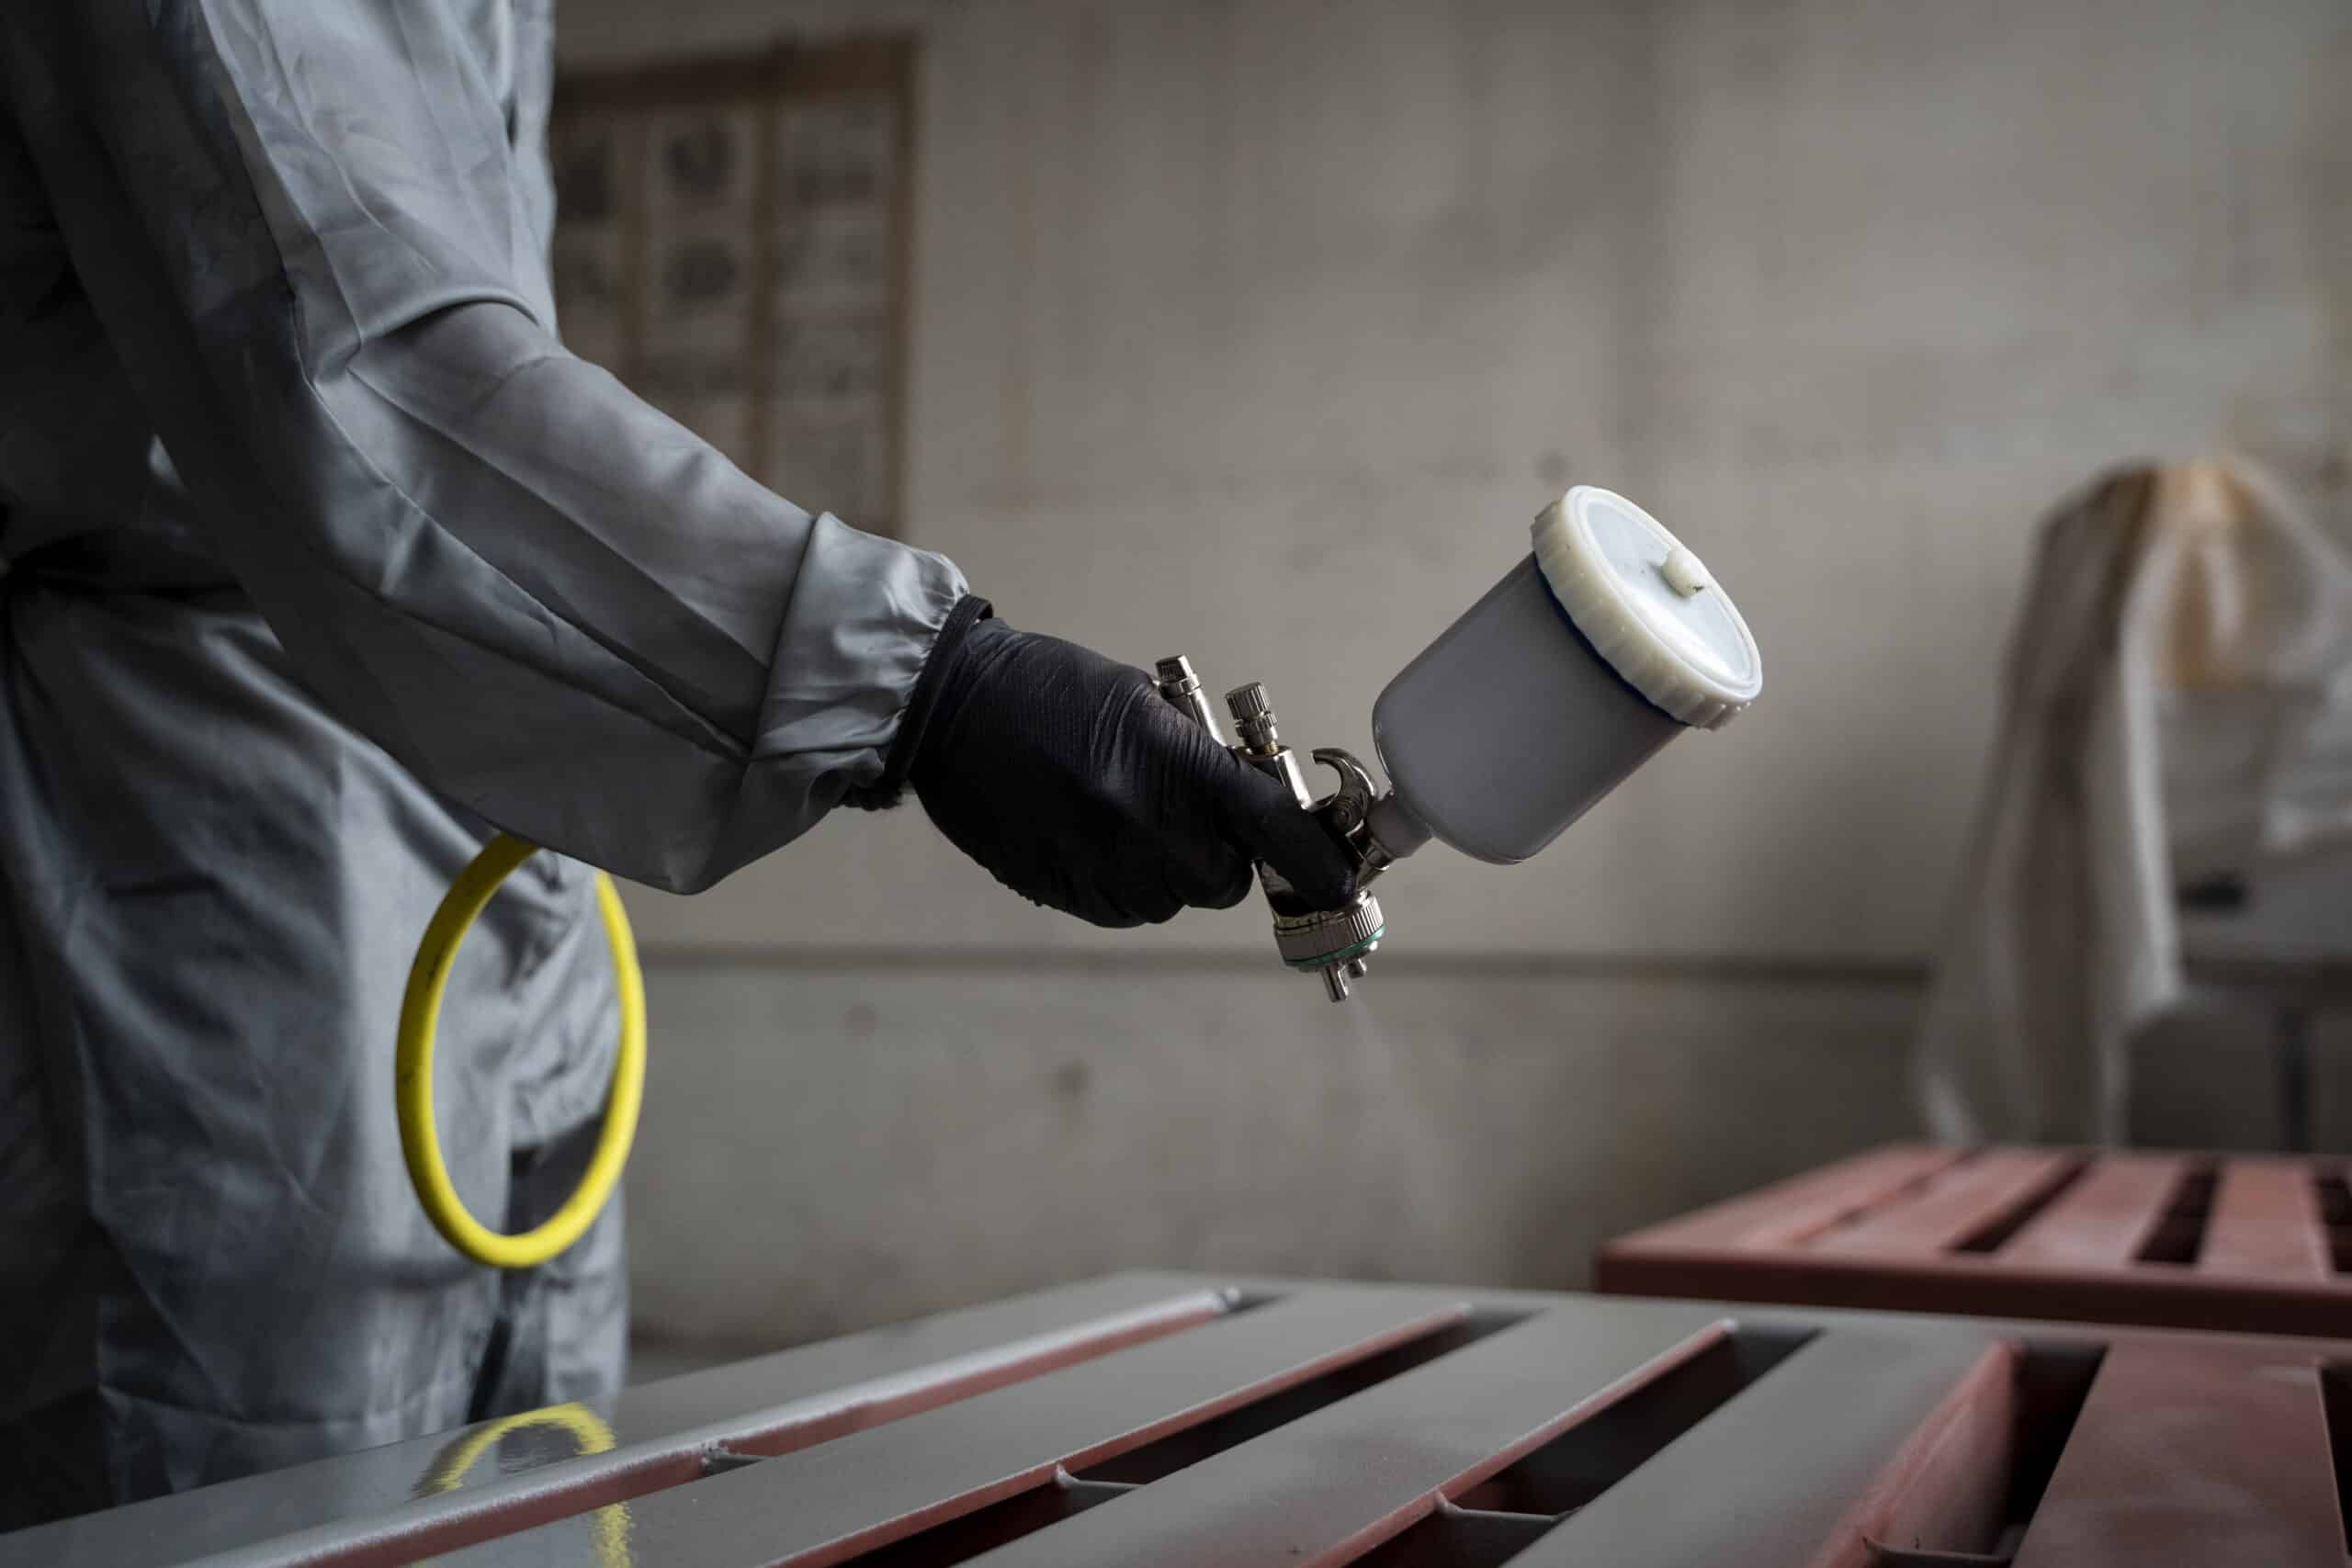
(1253, 718)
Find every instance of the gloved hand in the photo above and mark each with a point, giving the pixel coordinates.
(1078, 786)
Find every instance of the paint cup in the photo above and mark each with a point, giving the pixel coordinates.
(1601, 645)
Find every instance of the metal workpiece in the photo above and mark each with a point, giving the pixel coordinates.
(405, 1501)
(1284, 1422)
(2257, 1244)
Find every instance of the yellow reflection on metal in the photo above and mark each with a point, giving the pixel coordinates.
(590, 1435)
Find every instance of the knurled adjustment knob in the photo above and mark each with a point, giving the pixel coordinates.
(1253, 717)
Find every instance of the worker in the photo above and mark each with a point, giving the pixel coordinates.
(324, 560)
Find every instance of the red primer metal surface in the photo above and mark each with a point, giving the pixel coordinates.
(1946, 1482)
(2070, 1234)
(1956, 1204)
(2265, 1225)
(2105, 1220)
(1794, 1212)
(2194, 1454)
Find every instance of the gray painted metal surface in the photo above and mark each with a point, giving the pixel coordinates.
(1782, 1464)
(830, 1502)
(1170, 1419)
(453, 1481)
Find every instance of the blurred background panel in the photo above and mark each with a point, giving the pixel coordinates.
(734, 244)
(1257, 333)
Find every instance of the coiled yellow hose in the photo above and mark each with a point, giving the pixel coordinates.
(413, 1070)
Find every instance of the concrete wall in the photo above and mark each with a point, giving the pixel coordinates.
(875, 1139)
(1257, 331)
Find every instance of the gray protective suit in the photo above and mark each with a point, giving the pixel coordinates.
(325, 555)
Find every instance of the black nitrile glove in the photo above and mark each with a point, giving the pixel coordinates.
(1069, 777)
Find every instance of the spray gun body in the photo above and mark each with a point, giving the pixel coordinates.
(1606, 642)
(1336, 943)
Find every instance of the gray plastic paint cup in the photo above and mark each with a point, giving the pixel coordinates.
(1590, 654)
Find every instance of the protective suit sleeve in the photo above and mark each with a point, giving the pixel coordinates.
(313, 245)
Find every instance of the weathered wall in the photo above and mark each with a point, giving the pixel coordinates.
(864, 1140)
(1257, 331)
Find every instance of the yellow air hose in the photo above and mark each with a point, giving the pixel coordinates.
(413, 1070)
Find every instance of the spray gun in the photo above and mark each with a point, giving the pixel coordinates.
(1607, 641)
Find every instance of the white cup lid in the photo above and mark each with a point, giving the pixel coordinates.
(1648, 606)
